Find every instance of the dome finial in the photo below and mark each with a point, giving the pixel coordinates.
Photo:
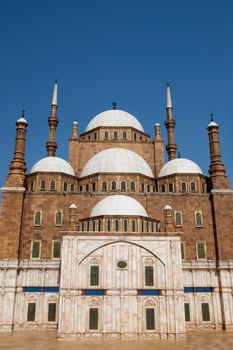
(114, 105)
(22, 113)
(179, 155)
(211, 117)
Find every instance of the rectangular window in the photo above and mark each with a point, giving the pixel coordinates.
(187, 312)
(178, 218)
(52, 312)
(31, 312)
(56, 249)
(149, 276)
(35, 252)
(94, 276)
(201, 250)
(182, 250)
(205, 312)
(93, 318)
(150, 319)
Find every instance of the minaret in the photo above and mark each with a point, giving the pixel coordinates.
(53, 121)
(216, 170)
(74, 135)
(170, 125)
(158, 150)
(17, 171)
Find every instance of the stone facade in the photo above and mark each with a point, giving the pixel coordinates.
(175, 262)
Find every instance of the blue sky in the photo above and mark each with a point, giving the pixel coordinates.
(125, 51)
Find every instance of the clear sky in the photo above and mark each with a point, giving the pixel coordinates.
(116, 50)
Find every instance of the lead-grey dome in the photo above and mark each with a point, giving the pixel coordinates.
(114, 117)
(116, 160)
(52, 164)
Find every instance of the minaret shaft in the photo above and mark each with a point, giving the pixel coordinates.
(170, 125)
(52, 121)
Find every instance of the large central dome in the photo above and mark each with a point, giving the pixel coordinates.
(114, 117)
(116, 160)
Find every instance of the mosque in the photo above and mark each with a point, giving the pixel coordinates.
(116, 243)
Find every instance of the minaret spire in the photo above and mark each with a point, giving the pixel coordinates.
(170, 125)
(53, 121)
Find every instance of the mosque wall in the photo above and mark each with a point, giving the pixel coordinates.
(122, 307)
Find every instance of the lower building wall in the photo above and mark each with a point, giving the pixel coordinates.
(121, 310)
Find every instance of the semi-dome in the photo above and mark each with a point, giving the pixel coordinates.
(116, 160)
(180, 166)
(52, 164)
(118, 205)
(114, 117)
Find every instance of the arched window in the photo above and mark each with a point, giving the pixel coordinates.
(87, 188)
(192, 187)
(93, 225)
(170, 187)
(133, 225)
(163, 188)
(52, 186)
(81, 188)
(125, 225)
(42, 185)
(58, 218)
(104, 186)
(123, 186)
(134, 137)
(183, 186)
(148, 188)
(142, 187)
(113, 186)
(178, 218)
(88, 226)
(95, 136)
(64, 186)
(37, 217)
(106, 135)
(72, 188)
(117, 225)
(99, 225)
(198, 219)
(132, 186)
(124, 135)
(93, 186)
(115, 135)
(83, 226)
(108, 225)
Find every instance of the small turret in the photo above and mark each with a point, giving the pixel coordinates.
(216, 170)
(74, 135)
(18, 165)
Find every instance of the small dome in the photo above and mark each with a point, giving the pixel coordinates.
(167, 207)
(212, 124)
(22, 120)
(54, 165)
(180, 166)
(116, 160)
(114, 117)
(118, 205)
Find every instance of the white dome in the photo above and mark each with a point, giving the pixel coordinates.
(180, 166)
(116, 160)
(118, 205)
(114, 117)
(54, 165)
